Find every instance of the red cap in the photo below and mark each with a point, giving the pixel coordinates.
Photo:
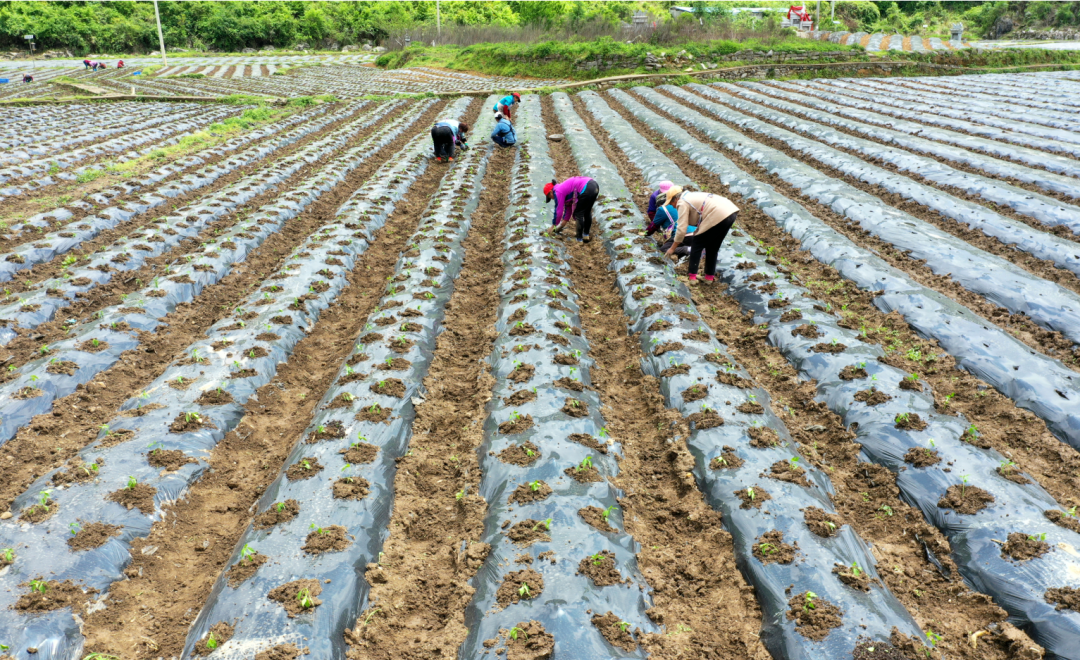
(516, 95)
(548, 188)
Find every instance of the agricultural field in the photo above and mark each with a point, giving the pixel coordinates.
(276, 383)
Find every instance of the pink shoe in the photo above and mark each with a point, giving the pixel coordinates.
(709, 278)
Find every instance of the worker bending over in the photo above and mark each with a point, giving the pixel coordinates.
(662, 187)
(507, 102)
(446, 135)
(27, 78)
(503, 134)
(574, 198)
(710, 217)
(665, 220)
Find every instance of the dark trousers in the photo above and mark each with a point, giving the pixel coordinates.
(682, 250)
(583, 210)
(709, 242)
(443, 137)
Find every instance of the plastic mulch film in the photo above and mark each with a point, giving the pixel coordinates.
(130, 252)
(354, 496)
(182, 184)
(1046, 303)
(1033, 381)
(928, 113)
(96, 345)
(48, 247)
(931, 463)
(545, 456)
(741, 451)
(908, 138)
(1001, 114)
(923, 124)
(190, 408)
(1006, 105)
(1046, 210)
(1047, 90)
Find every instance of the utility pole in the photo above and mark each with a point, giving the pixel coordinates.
(817, 16)
(438, 21)
(160, 36)
(832, 13)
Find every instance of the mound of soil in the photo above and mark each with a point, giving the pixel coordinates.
(752, 497)
(727, 460)
(851, 372)
(520, 397)
(281, 652)
(359, 453)
(351, 488)
(588, 441)
(751, 408)
(872, 397)
(218, 634)
(525, 494)
(856, 579)
(615, 631)
(331, 431)
(169, 460)
(517, 586)
(770, 548)
(734, 380)
(583, 475)
(393, 387)
(1022, 547)
(922, 457)
(823, 524)
(79, 472)
(278, 512)
(527, 641)
(297, 597)
(706, 419)
(814, 622)
(305, 468)
(600, 568)
(190, 422)
(334, 538)
(965, 499)
(1064, 598)
(910, 422)
(785, 471)
(92, 535)
(516, 425)
(1062, 519)
(524, 454)
(245, 568)
(594, 516)
(140, 497)
(527, 532)
(695, 393)
(55, 595)
(763, 437)
(876, 650)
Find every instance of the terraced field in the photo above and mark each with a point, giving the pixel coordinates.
(303, 390)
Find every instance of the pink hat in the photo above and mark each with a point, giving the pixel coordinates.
(664, 185)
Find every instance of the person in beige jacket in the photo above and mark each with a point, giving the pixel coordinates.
(708, 217)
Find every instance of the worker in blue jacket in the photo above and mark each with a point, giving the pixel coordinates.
(503, 134)
(507, 102)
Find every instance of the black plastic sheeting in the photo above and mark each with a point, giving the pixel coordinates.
(922, 126)
(182, 184)
(1032, 380)
(259, 622)
(1046, 210)
(985, 90)
(833, 113)
(1016, 587)
(182, 281)
(873, 614)
(1000, 115)
(130, 252)
(46, 248)
(1046, 303)
(1009, 108)
(568, 600)
(209, 366)
(928, 113)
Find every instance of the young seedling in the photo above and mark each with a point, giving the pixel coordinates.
(515, 632)
(933, 637)
(1037, 537)
(280, 506)
(546, 523)
(964, 478)
(855, 570)
(808, 602)
(524, 590)
(131, 483)
(39, 586)
(73, 528)
(305, 599)
(43, 499)
(607, 512)
(597, 559)
(767, 548)
(585, 464)
(247, 553)
(750, 493)
(460, 494)
(886, 508)
(623, 625)
(793, 463)
(211, 641)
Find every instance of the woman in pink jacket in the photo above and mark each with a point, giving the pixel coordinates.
(574, 198)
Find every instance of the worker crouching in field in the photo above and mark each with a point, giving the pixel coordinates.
(27, 78)
(503, 134)
(574, 198)
(661, 189)
(506, 103)
(710, 217)
(446, 135)
(665, 219)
